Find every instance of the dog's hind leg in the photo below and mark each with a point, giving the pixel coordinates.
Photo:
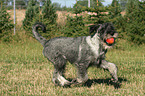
(58, 79)
(82, 73)
(111, 67)
(58, 76)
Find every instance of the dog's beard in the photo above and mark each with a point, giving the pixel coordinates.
(115, 35)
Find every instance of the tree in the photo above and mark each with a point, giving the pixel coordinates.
(31, 12)
(49, 17)
(49, 12)
(123, 4)
(115, 9)
(97, 2)
(84, 3)
(132, 5)
(100, 16)
(77, 8)
(45, 14)
(5, 24)
(115, 14)
(20, 2)
(135, 24)
(57, 6)
(75, 26)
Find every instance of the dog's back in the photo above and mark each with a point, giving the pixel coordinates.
(66, 46)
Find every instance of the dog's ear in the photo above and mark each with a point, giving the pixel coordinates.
(94, 28)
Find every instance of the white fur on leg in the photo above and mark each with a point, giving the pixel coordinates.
(82, 80)
(62, 80)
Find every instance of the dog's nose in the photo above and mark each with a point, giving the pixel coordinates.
(115, 35)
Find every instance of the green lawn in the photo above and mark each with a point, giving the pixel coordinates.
(25, 71)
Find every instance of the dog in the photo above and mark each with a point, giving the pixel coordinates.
(82, 51)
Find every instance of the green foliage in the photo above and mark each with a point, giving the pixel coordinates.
(131, 26)
(21, 4)
(31, 12)
(75, 26)
(95, 3)
(132, 5)
(78, 8)
(84, 3)
(123, 4)
(48, 17)
(100, 16)
(5, 25)
(114, 9)
(135, 25)
(46, 14)
(57, 6)
(92, 3)
(115, 15)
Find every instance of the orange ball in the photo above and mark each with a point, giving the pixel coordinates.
(110, 40)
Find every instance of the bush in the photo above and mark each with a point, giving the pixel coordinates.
(114, 9)
(135, 26)
(115, 16)
(49, 17)
(5, 25)
(100, 16)
(75, 26)
(31, 12)
(45, 14)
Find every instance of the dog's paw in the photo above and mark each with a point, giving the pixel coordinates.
(61, 83)
(114, 80)
(116, 83)
(74, 81)
(66, 85)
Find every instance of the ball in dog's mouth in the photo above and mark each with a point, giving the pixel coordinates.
(110, 40)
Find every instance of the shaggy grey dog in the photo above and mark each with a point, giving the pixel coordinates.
(81, 51)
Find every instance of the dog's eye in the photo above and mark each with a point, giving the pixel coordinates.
(112, 33)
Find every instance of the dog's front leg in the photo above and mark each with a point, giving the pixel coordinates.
(111, 67)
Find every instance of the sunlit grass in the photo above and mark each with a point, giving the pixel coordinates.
(25, 71)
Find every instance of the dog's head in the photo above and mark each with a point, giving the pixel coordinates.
(104, 32)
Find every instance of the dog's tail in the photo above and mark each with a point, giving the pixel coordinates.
(40, 38)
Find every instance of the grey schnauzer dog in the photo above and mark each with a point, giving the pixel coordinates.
(81, 51)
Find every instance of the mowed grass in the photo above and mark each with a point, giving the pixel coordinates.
(25, 71)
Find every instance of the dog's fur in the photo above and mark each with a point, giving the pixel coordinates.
(81, 51)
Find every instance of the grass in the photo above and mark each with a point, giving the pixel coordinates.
(25, 71)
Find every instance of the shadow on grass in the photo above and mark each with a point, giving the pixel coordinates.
(105, 81)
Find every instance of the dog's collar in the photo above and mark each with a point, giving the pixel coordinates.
(105, 45)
